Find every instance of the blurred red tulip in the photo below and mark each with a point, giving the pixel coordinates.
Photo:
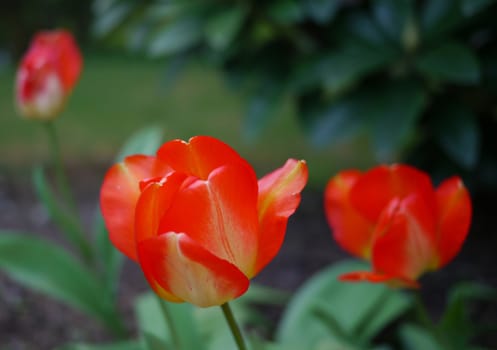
(392, 216)
(47, 74)
(196, 218)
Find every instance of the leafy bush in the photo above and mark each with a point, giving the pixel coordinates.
(414, 78)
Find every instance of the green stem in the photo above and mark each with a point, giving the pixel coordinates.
(60, 174)
(65, 189)
(116, 325)
(421, 313)
(170, 323)
(426, 321)
(235, 330)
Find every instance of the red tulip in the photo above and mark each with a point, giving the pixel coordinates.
(47, 74)
(197, 220)
(394, 217)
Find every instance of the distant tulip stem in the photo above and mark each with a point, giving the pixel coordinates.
(60, 173)
(235, 330)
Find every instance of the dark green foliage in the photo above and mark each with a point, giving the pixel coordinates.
(403, 74)
(20, 20)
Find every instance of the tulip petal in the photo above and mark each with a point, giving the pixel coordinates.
(155, 199)
(454, 210)
(219, 214)
(279, 197)
(373, 277)
(200, 156)
(119, 194)
(350, 229)
(185, 271)
(404, 244)
(377, 187)
(62, 49)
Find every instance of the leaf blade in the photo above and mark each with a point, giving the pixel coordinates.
(450, 61)
(55, 273)
(67, 223)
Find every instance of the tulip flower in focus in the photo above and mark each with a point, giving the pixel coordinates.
(196, 218)
(394, 217)
(47, 74)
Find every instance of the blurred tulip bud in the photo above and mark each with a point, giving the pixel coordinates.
(47, 74)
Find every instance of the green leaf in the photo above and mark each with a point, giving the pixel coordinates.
(393, 16)
(416, 338)
(360, 310)
(361, 27)
(322, 11)
(456, 322)
(265, 295)
(121, 345)
(285, 11)
(108, 21)
(308, 74)
(145, 141)
(331, 122)
(440, 17)
(68, 224)
(153, 342)
(221, 28)
(261, 108)
(392, 111)
(345, 66)
(450, 61)
(387, 112)
(154, 327)
(457, 133)
(177, 36)
(137, 34)
(47, 268)
(472, 7)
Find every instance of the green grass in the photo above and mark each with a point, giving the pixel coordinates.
(118, 95)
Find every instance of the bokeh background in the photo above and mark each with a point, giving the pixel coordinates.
(340, 83)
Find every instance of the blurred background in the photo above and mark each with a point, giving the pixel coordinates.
(340, 83)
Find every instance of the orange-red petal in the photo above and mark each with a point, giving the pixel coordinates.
(279, 197)
(454, 212)
(154, 201)
(65, 54)
(180, 269)
(350, 229)
(119, 194)
(404, 243)
(220, 214)
(200, 156)
(378, 186)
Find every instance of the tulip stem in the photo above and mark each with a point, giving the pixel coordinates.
(170, 323)
(421, 312)
(425, 319)
(63, 185)
(60, 174)
(235, 330)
